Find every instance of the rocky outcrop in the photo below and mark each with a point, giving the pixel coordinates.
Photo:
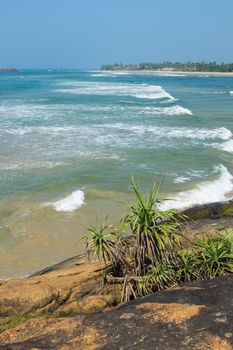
(196, 316)
(9, 70)
(67, 291)
(210, 211)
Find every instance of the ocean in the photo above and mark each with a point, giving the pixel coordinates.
(70, 141)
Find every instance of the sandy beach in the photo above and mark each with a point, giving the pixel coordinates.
(172, 72)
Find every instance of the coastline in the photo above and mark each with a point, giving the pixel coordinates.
(210, 217)
(172, 72)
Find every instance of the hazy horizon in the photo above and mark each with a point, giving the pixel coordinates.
(97, 68)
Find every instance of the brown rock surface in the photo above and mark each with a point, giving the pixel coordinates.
(196, 316)
(73, 289)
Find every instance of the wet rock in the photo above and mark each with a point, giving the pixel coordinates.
(210, 211)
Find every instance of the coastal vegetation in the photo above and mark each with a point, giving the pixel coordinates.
(173, 66)
(151, 251)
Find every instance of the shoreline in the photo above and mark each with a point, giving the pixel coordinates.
(172, 72)
(68, 304)
(207, 216)
(200, 219)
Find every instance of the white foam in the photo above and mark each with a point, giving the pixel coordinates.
(171, 75)
(28, 165)
(198, 173)
(231, 92)
(101, 75)
(46, 111)
(181, 179)
(211, 92)
(170, 111)
(200, 134)
(70, 203)
(98, 88)
(91, 138)
(205, 192)
(42, 130)
(226, 146)
(121, 73)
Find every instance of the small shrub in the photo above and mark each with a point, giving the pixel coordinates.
(156, 233)
(213, 256)
(150, 253)
(101, 240)
(206, 258)
(162, 276)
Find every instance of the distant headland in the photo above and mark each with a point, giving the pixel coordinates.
(166, 66)
(8, 70)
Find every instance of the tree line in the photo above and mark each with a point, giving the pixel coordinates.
(175, 66)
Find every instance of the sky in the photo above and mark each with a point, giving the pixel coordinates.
(88, 33)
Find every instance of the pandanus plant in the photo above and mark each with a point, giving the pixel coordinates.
(150, 253)
(108, 245)
(101, 241)
(156, 233)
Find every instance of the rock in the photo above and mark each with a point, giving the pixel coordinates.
(70, 262)
(77, 288)
(9, 70)
(67, 333)
(197, 213)
(96, 302)
(210, 211)
(181, 318)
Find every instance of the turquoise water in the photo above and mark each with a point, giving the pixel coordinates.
(70, 140)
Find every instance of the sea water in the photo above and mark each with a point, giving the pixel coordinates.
(70, 141)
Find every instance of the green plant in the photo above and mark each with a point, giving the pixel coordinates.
(101, 241)
(162, 275)
(184, 267)
(143, 286)
(206, 258)
(214, 256)
(156, 232)
(229, 240)
(150, 253)
(108, 245)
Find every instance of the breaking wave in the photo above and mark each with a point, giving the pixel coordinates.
(226, 146)
(108, 133)
(205, 192)
(70, 203)
(170, 111)
(143, 91)
(201, 134)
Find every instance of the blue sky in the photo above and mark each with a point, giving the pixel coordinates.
(87, 33)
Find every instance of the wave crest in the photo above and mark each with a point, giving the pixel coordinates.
(226, 146)
(205, 192)
(70, 203)
(143, 91)
(170, 111)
